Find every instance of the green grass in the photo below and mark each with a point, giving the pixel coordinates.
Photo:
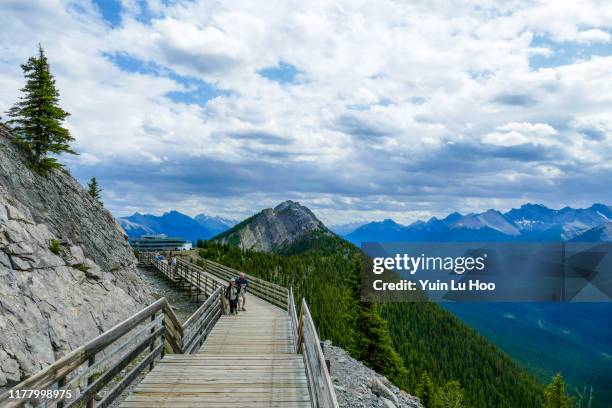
(55, 246)
(81, 267)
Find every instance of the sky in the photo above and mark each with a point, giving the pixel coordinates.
(361, 110)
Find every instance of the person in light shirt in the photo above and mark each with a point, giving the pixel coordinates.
(243, 284)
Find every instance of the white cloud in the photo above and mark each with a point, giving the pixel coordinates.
(391, 97)
(594, 36)
(515, 133)
(511, 138)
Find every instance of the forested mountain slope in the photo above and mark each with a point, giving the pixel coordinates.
(322, 268)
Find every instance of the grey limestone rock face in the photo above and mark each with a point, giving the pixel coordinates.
(52, 301)
(274, 227)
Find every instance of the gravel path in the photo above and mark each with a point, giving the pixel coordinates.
(359, 386)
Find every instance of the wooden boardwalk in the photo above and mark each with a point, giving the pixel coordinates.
(247, 360)
(268, 356)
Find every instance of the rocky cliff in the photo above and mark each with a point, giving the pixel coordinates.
(67, 272)
(358, 386)
(273, 228)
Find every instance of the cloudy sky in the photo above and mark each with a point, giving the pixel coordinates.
(361, 110)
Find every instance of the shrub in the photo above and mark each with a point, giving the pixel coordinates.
(55, 246)
(82, 267)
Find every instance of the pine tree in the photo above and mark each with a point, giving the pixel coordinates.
(554, 394)
(94, 190)
(451, 395)
(372, 342)
(426, 391)
(36, 120)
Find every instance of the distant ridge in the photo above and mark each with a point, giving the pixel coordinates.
(345, 229)
(175, 223)
(530, 222)
(602, 233)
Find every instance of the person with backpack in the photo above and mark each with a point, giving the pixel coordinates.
(243, 284)
(231, 294)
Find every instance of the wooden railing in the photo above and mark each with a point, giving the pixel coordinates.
(82, 371)
(308, 344)
(129, 347)
(271, 292)
(185, 272)
(305, 337)
(293, 319)
(200, 323)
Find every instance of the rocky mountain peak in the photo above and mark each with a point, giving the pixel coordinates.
(273, 228)
(289, 204)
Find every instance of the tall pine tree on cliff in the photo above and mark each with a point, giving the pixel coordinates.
(94, 190)
(36, 120)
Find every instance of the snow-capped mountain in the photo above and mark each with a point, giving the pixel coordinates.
(530, 222)
(174, 223)
(215, 224)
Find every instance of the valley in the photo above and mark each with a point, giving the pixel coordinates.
(570, 338)
(402, 340)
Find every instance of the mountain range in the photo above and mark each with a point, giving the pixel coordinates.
(530, 222)
(289, 246)
(174, 223)
(292, 229)
(554, 337)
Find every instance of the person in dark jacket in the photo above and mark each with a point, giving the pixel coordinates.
(243, 284)
(231, 294)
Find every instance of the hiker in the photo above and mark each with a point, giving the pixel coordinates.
(243, 284)
(231, 294)
(173, 268)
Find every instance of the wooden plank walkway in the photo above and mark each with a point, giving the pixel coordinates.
(247, 360)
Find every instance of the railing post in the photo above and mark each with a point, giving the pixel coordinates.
(198, 289)
(222, 300)
(90, 380)
(300, 329)
(163, 323)
(60, 383)
(152, 346)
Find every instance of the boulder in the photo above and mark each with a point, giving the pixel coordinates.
(381, 390)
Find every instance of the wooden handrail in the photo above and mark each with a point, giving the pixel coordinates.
(293, 319)
(309, 344)
(270, 292)
(196, 328)
(234, 273)
(179, 337)
(59, 371)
